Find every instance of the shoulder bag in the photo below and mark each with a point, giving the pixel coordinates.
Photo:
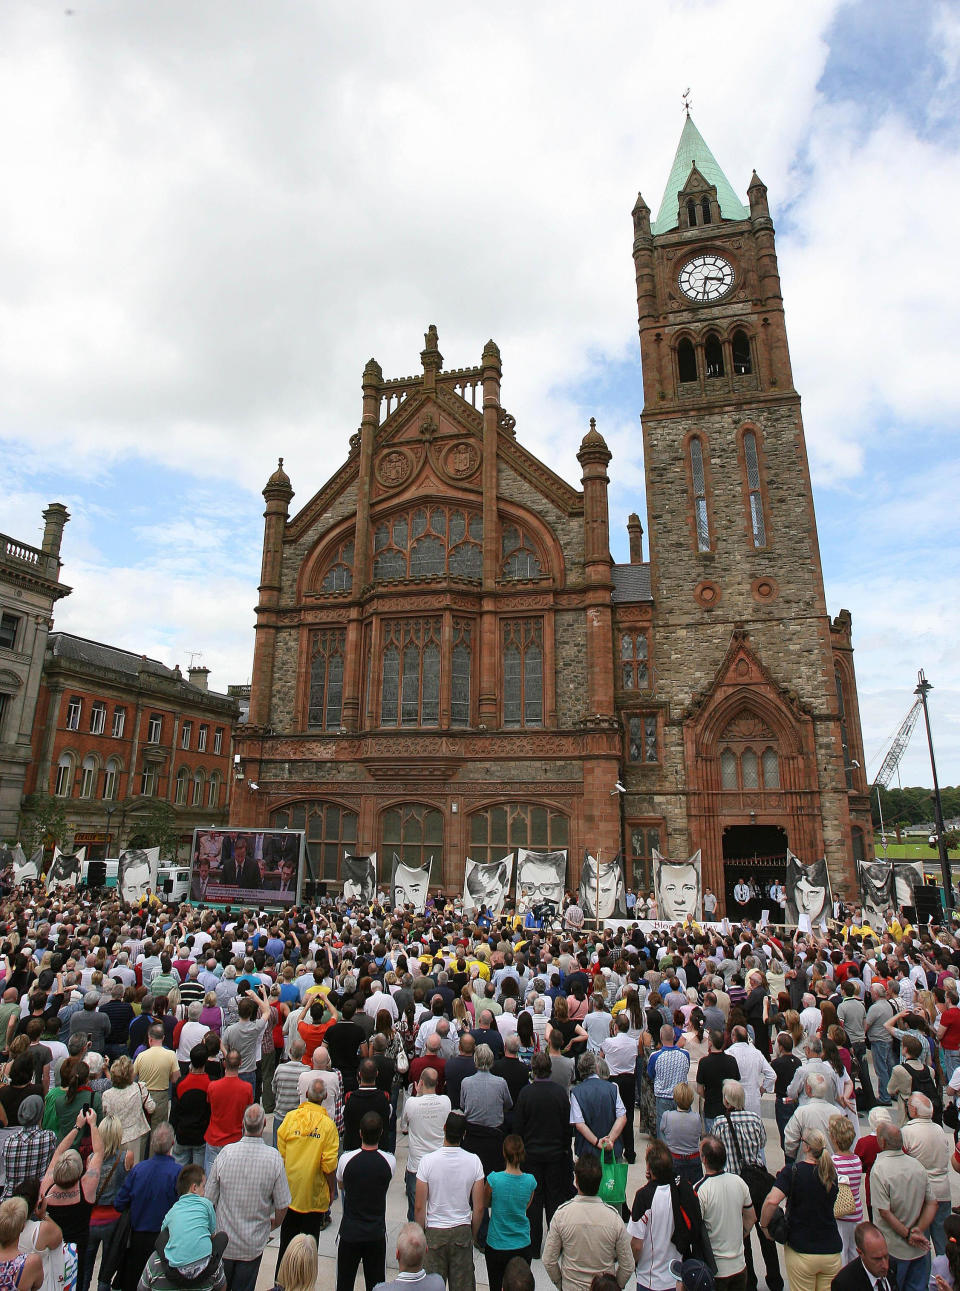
(779, 1226)
(758, 1178)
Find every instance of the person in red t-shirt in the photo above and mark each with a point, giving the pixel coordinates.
(229, 1098)
(190, 1110)
(322, 1017)
(431, 1058)
(948, 1032)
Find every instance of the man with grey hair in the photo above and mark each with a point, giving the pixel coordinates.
(756, 1074)
(248, 1187)
(148, 1192)
(929, 1144)
(597, 1113)
(485, 1101)
(814, 1113)
(904, 1205)
(26, 1153)
(286, 1080)
(411, 1252)
(814, 1065)
(89, 1019)
(448, 1040)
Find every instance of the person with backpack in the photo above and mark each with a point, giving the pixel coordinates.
(913, 1076)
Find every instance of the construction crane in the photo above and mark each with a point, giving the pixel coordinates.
(892, 760)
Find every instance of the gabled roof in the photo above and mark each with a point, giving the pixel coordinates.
(631, 583)
(693, 151)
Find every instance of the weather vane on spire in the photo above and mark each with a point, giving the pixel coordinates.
(686, 100)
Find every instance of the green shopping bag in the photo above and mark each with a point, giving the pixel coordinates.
(613, 1179)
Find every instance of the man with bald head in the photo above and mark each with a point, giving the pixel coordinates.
(411, 1252)
(309, 1143)
(322, 1069)
(422, 1119)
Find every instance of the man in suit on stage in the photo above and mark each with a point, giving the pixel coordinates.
(871, 1271)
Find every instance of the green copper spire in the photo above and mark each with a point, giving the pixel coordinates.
(692, 150)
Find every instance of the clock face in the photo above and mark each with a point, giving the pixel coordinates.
(706, 277)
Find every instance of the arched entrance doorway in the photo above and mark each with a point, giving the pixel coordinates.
(754, 855)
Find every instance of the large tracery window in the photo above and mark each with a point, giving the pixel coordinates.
(748, 755)
(634, 653)
(428, 542)
(338, 576)
(644, 841)
(326, 679)
(410, 678)
(331, 831)
(518, 554)
(507, 826)
(460, 668)
(523, 672)
(414, 833)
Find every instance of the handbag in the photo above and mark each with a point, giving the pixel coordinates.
(146, 1102)
(403, 1062)
(846, 1202)
(779, 1226)
(613, 1179)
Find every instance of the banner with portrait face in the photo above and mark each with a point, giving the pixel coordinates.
(907, 876)
(258, 868)
(610, 884)
(137, 870)
(540, 877)
(64, 869)
(409, 885)
(876, 891)
(808, 891)
(487, 884)
(678, 888)
(24, 869)
(360, 878)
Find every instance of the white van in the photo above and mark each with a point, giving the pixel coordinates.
(173, 883)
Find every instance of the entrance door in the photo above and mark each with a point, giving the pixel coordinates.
(754, 855)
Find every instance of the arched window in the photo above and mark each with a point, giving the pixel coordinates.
(748, 756)
(331, 831)
(198, 782)
(518, 554)
(750, 769)
(414, 834)
(111, 779)
(460, 670)
(691, 213)
(705, 208)
(180, 788)
(325, 707)
(713, 356)
(88, 777)
(429, 542)
(729, 775)
(699, 482)
(523, 672)
(753, 489)
(338, 576)
(742, 360)
(496, 830)
(410, 678)
(63, 787)
(213, 790)
(770, 764)
(686, 361)
(844, 735)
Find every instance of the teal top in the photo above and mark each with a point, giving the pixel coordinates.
(509, 1226)
(191, 1223)
(693, 151)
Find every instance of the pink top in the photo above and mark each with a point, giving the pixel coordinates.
(849, 1170)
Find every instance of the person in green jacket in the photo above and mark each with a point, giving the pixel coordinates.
(62, 1105)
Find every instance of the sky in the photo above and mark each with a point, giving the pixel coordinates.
(215, 214)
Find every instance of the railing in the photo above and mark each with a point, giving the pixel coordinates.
(14, 550)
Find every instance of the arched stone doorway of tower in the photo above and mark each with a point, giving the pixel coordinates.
(755, 856)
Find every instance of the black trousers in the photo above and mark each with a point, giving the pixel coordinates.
(350, 1255)
(496, 1262)
(627, 1085)
(295, 1222)
(138, 1252)
(554, 1176)
(771, 1262)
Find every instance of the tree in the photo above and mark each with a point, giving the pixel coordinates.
(157, 827)
(43, 820)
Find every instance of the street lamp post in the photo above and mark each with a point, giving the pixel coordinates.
(923, 689)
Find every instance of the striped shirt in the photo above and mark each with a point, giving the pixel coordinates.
(849, 1170)
(668, 1067)
(750, 1141)
(285, 1088)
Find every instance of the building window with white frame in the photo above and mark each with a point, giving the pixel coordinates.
(218, 740)
(111, 778)
(98, 718)
(154, 728)
(202, 732)
(9, 628)
(186, 733)
(74, 710)
(88, 776)
(148, 782)
(63, 786)
(119, 718)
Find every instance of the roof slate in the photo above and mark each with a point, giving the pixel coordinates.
(631, 583)
(692, 150)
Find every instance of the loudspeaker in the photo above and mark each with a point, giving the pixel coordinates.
(97, 874)
(320, 889)
(929, 905)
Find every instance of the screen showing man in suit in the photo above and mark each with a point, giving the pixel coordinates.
(258, 868)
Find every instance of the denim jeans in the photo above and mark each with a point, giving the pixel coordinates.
(241, 1275)
(187, 1155)
(663, 1105)
(97, 1235)
(938, 1237)
(912, 1275)
(210, 1155)
(949, 1061)
(882, 1051)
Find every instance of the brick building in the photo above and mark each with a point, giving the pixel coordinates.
(116, 732)
(449, 662)
(29, 588)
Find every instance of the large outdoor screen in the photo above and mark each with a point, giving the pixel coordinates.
(246, 867)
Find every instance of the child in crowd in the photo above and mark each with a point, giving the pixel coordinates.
(190, 1223)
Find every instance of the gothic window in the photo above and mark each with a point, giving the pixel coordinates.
(338, 576)
(742, 361)
(111, 779)
(713, 356)
(698, 479)
(634, 651)
(410, 679)
(844, 736)
(429, 542)
(414, 833)
(460, 668)
(748, 755)
(644, 841)
(691, 213)
(686, 361)
(757, 523)
(523, 672)
(705, 208)
(88, 776)
(180, 788)
(331, 830)
(518, 554)
(643, 744)
(494, 831)
(770, 768)
(326, 680)
(729, 775)
(63, 786)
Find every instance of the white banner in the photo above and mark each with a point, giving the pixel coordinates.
(677, 888)
(360, 878)
(409, 886)
(137, 869)
(606, 879)
(808, 891)
(487, 884)
(540, 877)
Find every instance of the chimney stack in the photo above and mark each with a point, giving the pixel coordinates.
(635, 530)
(54, 518)
(198, 676)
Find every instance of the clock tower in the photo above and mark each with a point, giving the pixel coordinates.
(752, 681)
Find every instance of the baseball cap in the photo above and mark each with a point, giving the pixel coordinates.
(694, 1275)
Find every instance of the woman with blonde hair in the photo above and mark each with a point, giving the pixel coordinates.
(70, 1189)
(18, 1272)
(792, 1023)
(849, 1171)
(104, 1217)
(680, 1130)
(812, 1252)
(129, 1101)
(297, 1271)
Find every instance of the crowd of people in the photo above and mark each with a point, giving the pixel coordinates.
(180, 1084)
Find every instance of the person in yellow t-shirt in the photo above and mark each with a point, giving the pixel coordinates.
(308, 1142)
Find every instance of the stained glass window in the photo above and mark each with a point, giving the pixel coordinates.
(331, 831)
(523, 672)
(643, 740)
(410, 677)
(461, 663)
(634, 651)
(507, 826)
(518, 554)
(753, 488)
(429, 542)
(414, 833)
(699, 495)
(339, 572)
(326, 680)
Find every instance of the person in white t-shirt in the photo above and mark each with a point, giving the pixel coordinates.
(727, 1210)
(651, 1234)
(449, 1206)
(422, 1120)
